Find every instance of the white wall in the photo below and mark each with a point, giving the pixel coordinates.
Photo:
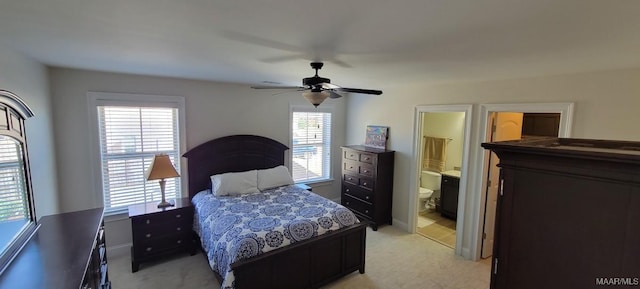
(28, 79)
(447, 125)
(212, 110)
(606, 105)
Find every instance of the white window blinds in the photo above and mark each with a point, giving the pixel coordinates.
(311, 145)
(13, 197)
(129, 139)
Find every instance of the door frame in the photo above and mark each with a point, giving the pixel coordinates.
(417, 156)
(478, 186)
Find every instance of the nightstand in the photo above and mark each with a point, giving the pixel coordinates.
(160, 232)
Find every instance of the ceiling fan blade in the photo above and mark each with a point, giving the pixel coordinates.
(278, 87)
(327, 85)
(333, 94)
(359, 90)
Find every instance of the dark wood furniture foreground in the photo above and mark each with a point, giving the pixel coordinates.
(67, 251)
(367, 183)
(568, 214)
(159, 232)
(307, 264)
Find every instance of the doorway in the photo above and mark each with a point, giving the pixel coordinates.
(431, 120)
(510, 122)
(441, 146)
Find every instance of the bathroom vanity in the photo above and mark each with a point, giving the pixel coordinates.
(568, 214)
(449, 189)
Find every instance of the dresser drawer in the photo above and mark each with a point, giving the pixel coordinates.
(350, 179)
(366, 158)
(147, 248)
(366, 183)
(357, 205)
(354, 191)
(350, 155)
(366, 169)
(350, 166)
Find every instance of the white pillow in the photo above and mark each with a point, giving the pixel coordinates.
(234, 183)
(274, 177)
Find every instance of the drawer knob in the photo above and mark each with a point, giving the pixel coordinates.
(366, 171)
(347, 203)
(367, 197)
(364, 184)
(179, 242)
(347, 190)
(178, 216)
(351, 179)
(366, 211)
(148, 221)
(367, 158)
(178, 229)
(148, 235)
(149, 249)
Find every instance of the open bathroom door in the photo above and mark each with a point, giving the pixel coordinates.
(504, 126)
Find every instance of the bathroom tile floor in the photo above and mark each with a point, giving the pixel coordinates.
(440, 229)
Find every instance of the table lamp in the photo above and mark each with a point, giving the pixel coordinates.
(160, 169)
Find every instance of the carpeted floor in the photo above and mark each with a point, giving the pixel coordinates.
(395, 259)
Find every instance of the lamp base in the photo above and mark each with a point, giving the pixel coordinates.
(164, 204)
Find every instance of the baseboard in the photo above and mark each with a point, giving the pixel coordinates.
(402, 225)
(120, 250)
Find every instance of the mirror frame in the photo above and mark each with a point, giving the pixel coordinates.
(15, 112)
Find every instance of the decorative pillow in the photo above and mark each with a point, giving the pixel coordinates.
(234, 183)
(274, 177)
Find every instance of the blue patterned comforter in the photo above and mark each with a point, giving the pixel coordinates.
(234, 228)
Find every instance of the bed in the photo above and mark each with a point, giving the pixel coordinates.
(307, 263)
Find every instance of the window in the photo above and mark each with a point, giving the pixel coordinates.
(130, 134)
(310, 145)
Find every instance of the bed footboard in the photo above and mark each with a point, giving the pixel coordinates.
(309, 264)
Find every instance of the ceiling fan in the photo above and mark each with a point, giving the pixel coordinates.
(317, 89)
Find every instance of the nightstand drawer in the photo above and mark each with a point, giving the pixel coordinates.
(164, 218)
(141, 233)
(157, 246)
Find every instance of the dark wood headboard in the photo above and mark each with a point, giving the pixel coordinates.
(234, 153)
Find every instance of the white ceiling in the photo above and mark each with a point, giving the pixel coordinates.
(364, 43)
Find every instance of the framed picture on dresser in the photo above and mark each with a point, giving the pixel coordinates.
(376, 136)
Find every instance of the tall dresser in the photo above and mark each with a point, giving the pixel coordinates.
(568, 214)
(367, 183)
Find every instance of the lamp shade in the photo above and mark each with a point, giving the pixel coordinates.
(161, 168)
(315, 97)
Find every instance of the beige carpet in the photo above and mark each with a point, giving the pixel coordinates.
(395, 259)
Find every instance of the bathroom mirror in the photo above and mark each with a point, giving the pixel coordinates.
(17, 213)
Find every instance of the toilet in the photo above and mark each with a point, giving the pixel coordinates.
(429, 183)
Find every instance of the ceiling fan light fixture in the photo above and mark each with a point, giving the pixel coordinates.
(315, 97)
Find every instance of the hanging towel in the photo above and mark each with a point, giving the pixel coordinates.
(435, 153)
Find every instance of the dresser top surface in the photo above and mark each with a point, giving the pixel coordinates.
(570, 147)
(57, 255)
(367, 149)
